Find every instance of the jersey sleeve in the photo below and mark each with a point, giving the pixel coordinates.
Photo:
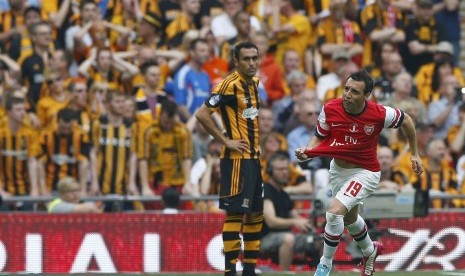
(322, 128)
(394, 117)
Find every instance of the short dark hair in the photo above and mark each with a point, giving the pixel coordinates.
(86, 2)
(38, 24)
(31, 9)
(11, 101)
(243, 45)
(146, 65)
(66, 115)
(111, 94)
(363, 75)
(194, 42)
(279, 155)
(169, 107)
(171, 197)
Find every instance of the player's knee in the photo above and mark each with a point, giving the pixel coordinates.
(334, 218)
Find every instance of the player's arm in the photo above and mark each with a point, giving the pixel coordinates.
(204, 116)
(408, 128)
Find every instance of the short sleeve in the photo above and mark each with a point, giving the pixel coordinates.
(394, 117)
(322, 128)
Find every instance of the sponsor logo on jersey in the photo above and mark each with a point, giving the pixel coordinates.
(251, 113)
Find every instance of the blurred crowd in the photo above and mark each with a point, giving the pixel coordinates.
(104, 91)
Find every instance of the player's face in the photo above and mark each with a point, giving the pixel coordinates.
(354, 96)
(247, 63)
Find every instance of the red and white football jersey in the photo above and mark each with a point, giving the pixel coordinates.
(354, 138)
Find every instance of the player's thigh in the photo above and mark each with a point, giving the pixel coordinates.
(354, 186)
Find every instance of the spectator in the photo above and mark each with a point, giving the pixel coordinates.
(280, 217)
(149, 97)
(170, 198)
(112, 134)
(283, 108)
(390, 67)
(343, 72)
(69, 200)
(337, 33)
(391, 179)
(60, 63)
(423, 35)
(65, 152)
(444, 113)
(380, 21)
(430, 73)
(33, 65)
(266, 126)
(57, 98)
(439, 177)
(447, 12)
(269, 72)
(183, 22)
(108, 68)
(456, 134)
(149, 31)
(332, 80)
(12, 21)
(79, 103)
(294, 34)
(291, 62)
(21, 44)
(222, 25)
(205, 176)
(20, 159)
(165, 153)
(298, 137)
(241, 22)
(192, 84)
(200, 139)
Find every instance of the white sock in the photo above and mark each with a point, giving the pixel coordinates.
(359, 232)
(333, 232)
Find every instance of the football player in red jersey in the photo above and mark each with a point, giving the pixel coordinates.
(348, 129)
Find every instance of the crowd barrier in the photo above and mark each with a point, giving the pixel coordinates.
(149, 242)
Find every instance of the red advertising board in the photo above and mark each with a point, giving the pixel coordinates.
(191, 242)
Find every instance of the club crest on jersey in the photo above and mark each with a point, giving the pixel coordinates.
(369, 129)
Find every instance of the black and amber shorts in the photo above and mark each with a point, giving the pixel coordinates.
(241, 185)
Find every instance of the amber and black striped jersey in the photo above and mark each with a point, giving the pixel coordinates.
(373, 18)
(165, 152)
(176, 29)
(443, 179)
(115, 8)
(16, 149)
(113, 146)
(237, 102)
(146, 114)
(8, 21)
(113, 79)
(62, 154)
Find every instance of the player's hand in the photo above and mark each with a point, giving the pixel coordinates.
(417, 165)
(301, 156)
(237, 145)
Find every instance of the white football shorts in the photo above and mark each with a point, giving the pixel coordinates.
(352, 186)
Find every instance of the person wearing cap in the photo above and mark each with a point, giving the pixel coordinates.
(332, 80)
(337, 33)
(149, 30)
(424, 77)
(380, 21)
(423, 35)
(69, 200)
